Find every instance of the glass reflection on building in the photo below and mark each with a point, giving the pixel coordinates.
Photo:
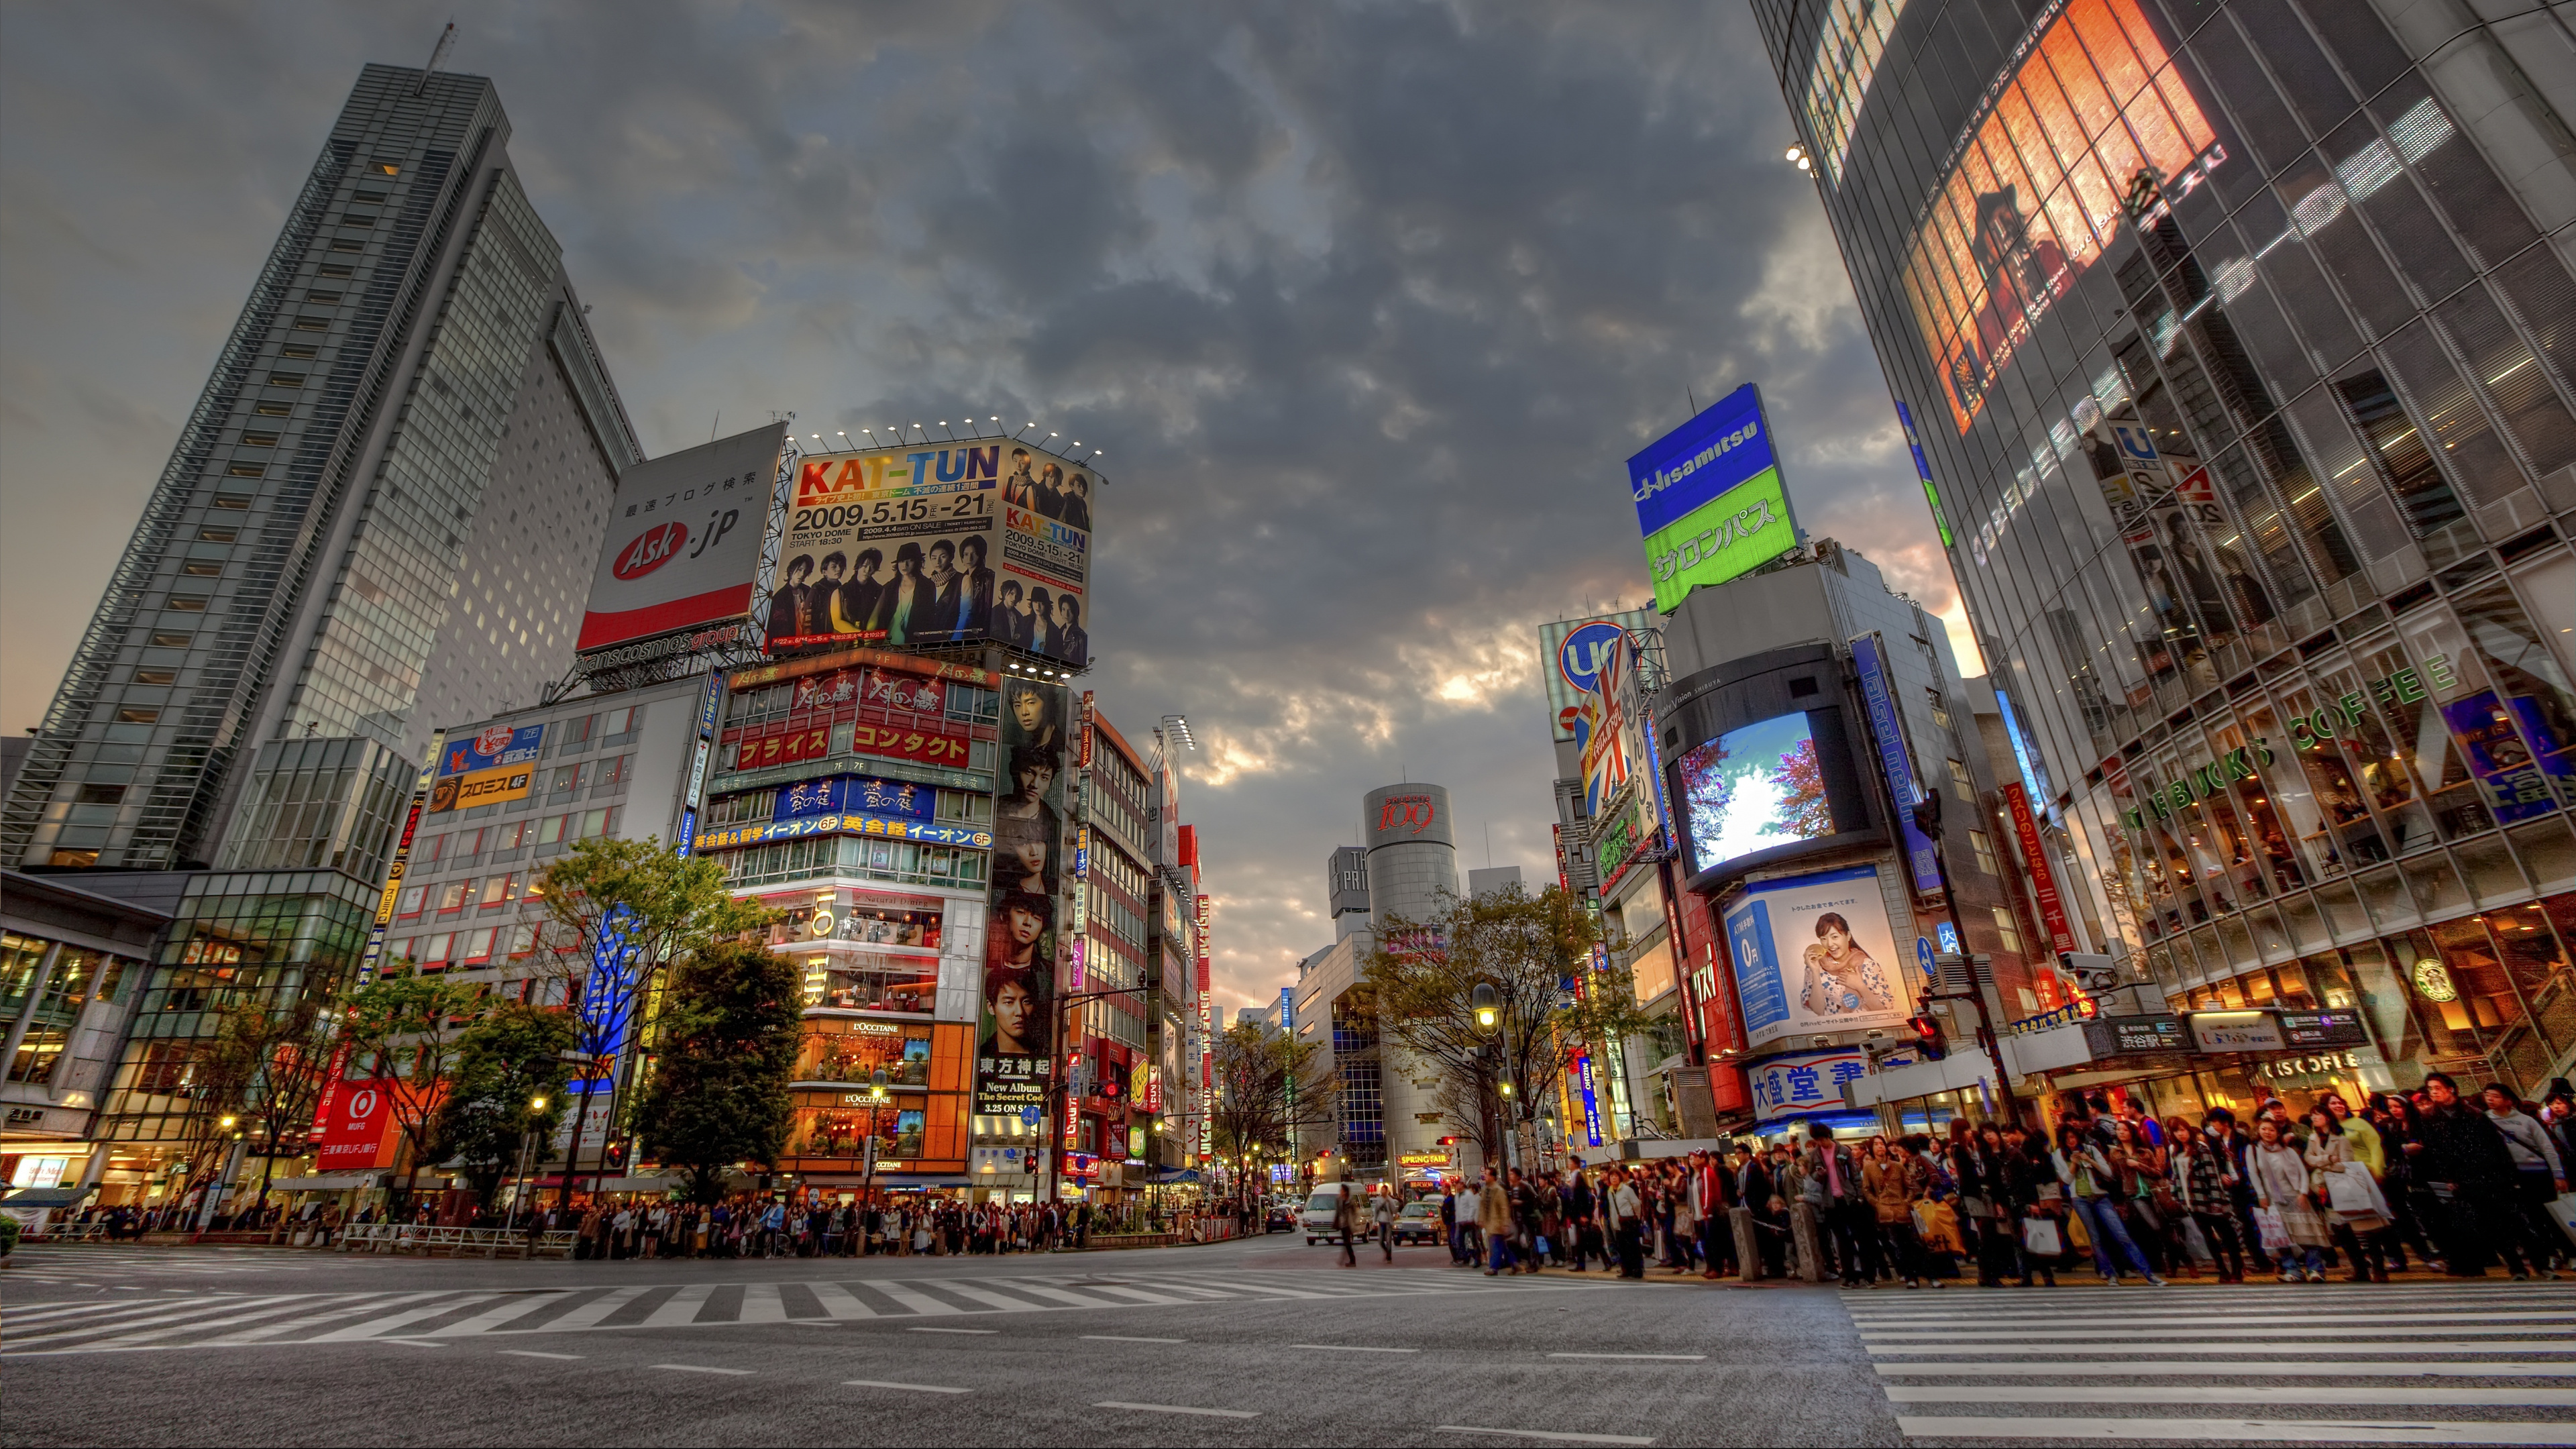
(2237, 336)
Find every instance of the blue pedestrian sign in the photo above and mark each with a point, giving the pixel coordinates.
(1028, 1116)
(1923, 954)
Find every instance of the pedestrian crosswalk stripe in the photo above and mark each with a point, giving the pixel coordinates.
(2160, 1394)
(2239, 1368)
(2175, 1369)
(2161, 1320)
(245, 1320)
(2134, 1347)
(2315, 1431)
(2162, 1331)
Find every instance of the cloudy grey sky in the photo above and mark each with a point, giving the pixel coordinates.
(1368, 303)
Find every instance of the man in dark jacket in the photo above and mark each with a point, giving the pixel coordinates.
(2461, 1156)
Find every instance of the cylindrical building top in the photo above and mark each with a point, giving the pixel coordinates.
(1407, 814)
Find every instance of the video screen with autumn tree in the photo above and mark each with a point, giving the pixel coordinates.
(1753, 789)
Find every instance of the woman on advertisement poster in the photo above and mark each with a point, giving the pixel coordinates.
(1842, 978)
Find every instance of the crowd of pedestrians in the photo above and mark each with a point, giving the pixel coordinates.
(2460, 1182)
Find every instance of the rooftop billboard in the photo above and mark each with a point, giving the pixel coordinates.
(1709, 499)
(911, 547)
(683, 544)
(1570, 652)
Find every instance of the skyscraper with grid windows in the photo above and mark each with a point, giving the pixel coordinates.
(381, 515)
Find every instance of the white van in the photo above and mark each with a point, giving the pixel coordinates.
(1317, 1220)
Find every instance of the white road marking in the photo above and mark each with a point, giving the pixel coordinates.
(1178, 1409)
(952, 1330)
(2132, 1346)
(1671, 1357)
(699, 1368)
(1351, 1348)
(1546, 1434)
(761, 1303)
(840, 1302)
(2246, 1368)
(1123, 1338)
(532, 1353)
(595, 1310)
(910, 1388)
(519, 1306)
(918, 1303)
(2218, 1394)
(2309, 1431)
(680, 1307)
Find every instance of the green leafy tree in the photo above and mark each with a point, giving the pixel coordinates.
(1527, 948)
(619, 913)
(724, 1055)
(279, 1056)
(505, 1062)
(404, 1031)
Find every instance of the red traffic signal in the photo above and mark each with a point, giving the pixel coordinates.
(1928, 1043)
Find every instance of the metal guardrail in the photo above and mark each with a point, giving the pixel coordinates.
(65, 1233)
(421, 1238)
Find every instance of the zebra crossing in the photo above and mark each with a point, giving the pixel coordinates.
(95, 1263)
(447, 1315)
(2464, 1363)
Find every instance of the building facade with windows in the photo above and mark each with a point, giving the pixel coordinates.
(72, 962)
(380, 516)
(853, 792)
(2233, 340)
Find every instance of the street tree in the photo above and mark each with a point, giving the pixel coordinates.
(1535, 952)
(1267, 1088)
(724, 1051)
(276, 1055)
(402, 1031)
(618, 914)
(506, 1062)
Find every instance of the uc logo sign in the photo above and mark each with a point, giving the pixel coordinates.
(1578, 659)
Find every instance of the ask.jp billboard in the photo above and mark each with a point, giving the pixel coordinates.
(683, 543)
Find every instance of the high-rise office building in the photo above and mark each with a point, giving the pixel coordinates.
(2235, 339)
(381, 516)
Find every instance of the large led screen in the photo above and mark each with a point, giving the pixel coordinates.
(1754, 788)
(2038, 183)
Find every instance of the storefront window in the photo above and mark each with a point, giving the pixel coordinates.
(2338, 833)
(837, 1050)
(2518, 728)
(2536, 961)
(872, 983)
(2430, 687)
(843, 1132)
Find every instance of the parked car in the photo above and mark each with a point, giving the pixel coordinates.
(1280, 1216)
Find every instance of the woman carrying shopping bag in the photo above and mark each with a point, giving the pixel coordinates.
(2359, 1219)
(2294, 1236)
(2090, 1183)
(2200, 1181)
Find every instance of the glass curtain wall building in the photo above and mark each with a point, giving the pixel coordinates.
(381, 515)
(2235, 340)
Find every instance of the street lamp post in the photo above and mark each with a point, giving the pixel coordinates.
(527, 1144)
(876, 1104)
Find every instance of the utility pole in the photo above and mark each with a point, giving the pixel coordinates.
(1927, 818)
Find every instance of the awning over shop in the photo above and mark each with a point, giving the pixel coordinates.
(1179, 1174)
(632, 1184)
(45, 1197)
(924, 1179)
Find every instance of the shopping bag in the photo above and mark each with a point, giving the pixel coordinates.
(2076, 1236)
(1542, 1245)
(1937, 1224)
(2195, 1244)
(2562, 1211)
(2269, 1229)
(2351, 1193)
(2039, 1237)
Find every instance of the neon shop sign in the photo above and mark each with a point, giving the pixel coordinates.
(2315, 730)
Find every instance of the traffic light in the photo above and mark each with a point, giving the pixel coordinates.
(1927, 1038)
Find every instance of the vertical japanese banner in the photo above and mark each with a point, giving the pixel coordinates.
(402, 859)
(1207, 1038)
(2034, 863)
(1896, 758)
(687, 836)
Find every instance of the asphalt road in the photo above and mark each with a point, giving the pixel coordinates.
(1258, 1342)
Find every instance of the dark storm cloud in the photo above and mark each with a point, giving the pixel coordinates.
(1368, 303)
